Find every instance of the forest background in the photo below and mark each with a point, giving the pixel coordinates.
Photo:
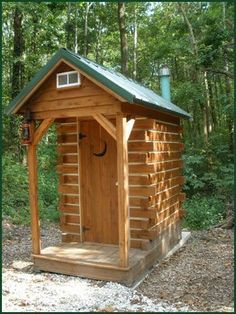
(195, 39)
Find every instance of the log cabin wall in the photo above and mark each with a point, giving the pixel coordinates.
(155, 180)
(68, 171)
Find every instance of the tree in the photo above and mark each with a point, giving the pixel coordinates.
(123, 38)
(88, 6)
(135, 43)
(18, 49)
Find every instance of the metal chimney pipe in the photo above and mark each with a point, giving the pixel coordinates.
(164, 74)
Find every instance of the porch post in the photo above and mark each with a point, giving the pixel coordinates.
(33, 197)
(37, 135)
(123, 190)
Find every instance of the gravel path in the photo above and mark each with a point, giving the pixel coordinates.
(199, 277)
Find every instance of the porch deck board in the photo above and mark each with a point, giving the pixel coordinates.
(90, 253)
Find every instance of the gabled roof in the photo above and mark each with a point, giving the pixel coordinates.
(124, 87)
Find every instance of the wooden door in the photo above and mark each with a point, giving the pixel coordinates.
(98, 189)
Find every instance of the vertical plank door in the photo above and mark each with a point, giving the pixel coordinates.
(98, 188)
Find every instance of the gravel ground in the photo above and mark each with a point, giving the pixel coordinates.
(199, 277)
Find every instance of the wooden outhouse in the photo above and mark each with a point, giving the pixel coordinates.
(119, 167)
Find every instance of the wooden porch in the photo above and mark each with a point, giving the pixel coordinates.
(102, 261)
(94, 261)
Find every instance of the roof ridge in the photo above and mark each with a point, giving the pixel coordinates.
(105, 67)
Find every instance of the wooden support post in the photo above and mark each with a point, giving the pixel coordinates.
(33, 196)
(123, 189)
(33, 182)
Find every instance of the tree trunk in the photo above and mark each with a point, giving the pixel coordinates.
(35, 33)
(18, 48)
(196, 77)
(212, 103)
(192, 36)
(98, 45)
(207, 105)
(69, 28)
(228, 88)
(123, 38)
(16, 81)
(76, 28)
(135, 44)
(88, 5)
(229, 118)
(205, 123)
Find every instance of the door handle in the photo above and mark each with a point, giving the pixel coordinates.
(85, 228)
(81, 136)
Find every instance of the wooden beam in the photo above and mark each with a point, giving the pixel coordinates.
(123, 190)
(33, 195)
(76, 112)
(135, 109)
(41, 130)
(106, 124)
(129, 127)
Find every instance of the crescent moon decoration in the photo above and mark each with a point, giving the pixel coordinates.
(103, 152)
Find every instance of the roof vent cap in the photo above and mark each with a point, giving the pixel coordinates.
(164, 71)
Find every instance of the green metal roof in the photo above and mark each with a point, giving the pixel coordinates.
(126, 88)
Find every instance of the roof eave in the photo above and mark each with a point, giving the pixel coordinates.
(154, 106)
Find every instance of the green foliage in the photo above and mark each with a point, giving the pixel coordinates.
(48, 179)
(209, 184)
(209, 172)
(203, 211)
(15, 201)
(15, 191)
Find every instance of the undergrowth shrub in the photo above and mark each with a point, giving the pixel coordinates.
(203, 211)
(209, 173)
(15, 202)
(48, 179)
